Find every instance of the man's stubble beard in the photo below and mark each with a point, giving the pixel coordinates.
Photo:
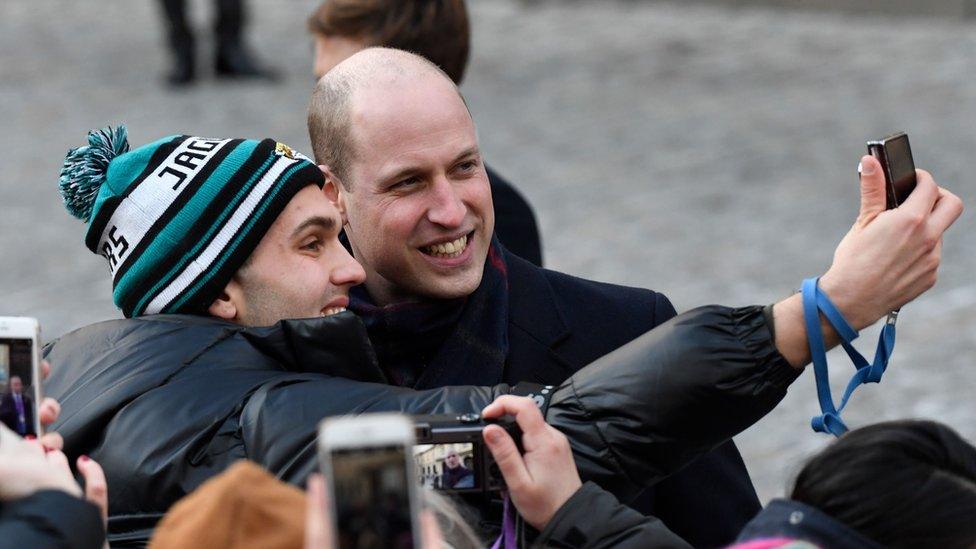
(264, 304)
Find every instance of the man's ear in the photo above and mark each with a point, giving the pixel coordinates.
(227, 305)
(333, 190)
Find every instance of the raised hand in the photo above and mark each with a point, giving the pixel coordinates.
(889, 257)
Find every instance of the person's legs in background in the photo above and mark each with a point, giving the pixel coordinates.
(181, 43)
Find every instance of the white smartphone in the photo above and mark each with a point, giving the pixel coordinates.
(20, 374)
(371, 473)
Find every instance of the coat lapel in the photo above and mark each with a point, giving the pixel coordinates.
(537, 327)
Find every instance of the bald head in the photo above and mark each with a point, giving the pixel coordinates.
(337, 95)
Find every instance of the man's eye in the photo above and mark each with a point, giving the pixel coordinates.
(312, 245)
(405, 183)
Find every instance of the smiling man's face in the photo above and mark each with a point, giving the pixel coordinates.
(417, 200)
(298, 270)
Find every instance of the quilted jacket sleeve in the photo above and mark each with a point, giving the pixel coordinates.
(646, 410)
(594, 519)
(632, 417)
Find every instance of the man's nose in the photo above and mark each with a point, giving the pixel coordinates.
(446, 208)
(349, 272)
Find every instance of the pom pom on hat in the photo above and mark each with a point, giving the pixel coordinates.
(86, 168)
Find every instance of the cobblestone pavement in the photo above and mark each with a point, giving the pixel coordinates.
(702, 151)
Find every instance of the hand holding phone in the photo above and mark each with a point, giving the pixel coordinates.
(369, 467)
(895, 155)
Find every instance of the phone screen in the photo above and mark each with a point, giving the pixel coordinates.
(17, 407)
(901, 167)
(372, 497)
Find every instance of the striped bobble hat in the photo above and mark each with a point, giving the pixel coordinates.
(178, 217)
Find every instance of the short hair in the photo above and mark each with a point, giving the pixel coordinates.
(435, 29)
(908, 483)
(329, 118)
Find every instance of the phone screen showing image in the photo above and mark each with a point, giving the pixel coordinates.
(17, 407)
(447, 466)
(372, 497)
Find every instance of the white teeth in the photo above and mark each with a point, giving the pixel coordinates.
(448, 249)
(333, 311)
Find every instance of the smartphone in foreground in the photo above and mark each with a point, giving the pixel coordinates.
(895, 155)
(20, 374)
(369, 466)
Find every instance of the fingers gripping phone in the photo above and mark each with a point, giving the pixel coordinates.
(895, 155)
(369, 466)
(20, 374)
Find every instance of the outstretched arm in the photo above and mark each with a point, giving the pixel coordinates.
(650, 407)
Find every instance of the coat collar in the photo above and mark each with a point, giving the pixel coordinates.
(795, 520)
(335, 345)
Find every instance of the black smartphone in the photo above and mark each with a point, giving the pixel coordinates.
(895, 155)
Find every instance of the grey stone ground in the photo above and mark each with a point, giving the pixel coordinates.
(702, 151)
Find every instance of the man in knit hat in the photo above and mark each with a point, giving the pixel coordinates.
(211, 244)
(234, 228)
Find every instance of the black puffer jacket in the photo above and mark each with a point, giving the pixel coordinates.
(165, 402)
(594, 519)
(50, 519)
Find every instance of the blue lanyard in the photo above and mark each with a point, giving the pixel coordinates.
(815, 302)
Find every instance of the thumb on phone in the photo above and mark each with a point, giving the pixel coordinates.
(318, 522)
(874, 197)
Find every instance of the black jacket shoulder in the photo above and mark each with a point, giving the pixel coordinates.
(559, 323)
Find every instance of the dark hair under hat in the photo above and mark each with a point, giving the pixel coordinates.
(178, 217)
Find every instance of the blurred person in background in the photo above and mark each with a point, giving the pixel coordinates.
(232, 58)
(439, 31)
(898, 484)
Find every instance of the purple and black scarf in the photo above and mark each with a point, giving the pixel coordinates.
(438, 343)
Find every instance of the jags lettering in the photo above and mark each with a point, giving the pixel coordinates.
(180, 176)
(189, 160)
(202, 145)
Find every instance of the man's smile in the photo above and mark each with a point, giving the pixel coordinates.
(448, 249)
(335, 306)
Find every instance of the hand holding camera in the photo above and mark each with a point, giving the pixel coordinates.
(541, 479)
